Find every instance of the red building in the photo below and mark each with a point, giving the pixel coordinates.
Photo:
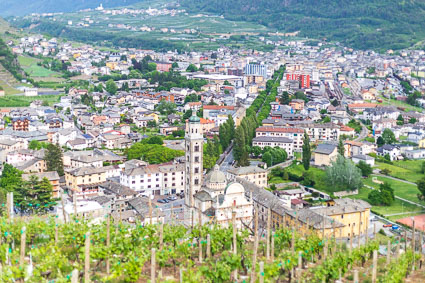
(163, 66)
(304, 79)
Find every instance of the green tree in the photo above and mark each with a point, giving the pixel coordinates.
(388, 137)
(166, 108)
(382, 196)
(54, 159)
(239, 150)
(111, 87)
(412, 120)
(343, 175)
(284, 99)
(421, 188)
(306, 151)
(400, 120)
(256, 151)
(191, 68)
(153, 140)
(341, 148)
(380, 141)
(365, 168)
(174, 65)
(152, 153)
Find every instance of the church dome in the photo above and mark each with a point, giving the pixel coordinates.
(217, 176)
(217, 179)
(194, 119)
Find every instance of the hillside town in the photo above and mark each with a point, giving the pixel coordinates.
(129, 141)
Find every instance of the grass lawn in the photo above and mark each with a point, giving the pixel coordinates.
(403, 190)
(24, 101)
(318, 175)
(409, 170)
(397, 206)
(30, 66)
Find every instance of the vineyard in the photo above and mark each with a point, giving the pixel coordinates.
(40, 249)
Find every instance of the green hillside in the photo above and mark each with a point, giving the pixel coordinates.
(363, 24)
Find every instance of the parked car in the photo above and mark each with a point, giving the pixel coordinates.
(172, 198)
(388, 225)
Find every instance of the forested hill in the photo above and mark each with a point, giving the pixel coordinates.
(24, 7)
(364, 24)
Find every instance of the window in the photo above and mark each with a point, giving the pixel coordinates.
(196, 170)
(196, 181)
(174, 173)
(196, 159)
(196, 148)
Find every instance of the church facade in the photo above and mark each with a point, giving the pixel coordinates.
(211, 199)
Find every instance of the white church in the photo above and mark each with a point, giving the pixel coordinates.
(212, 199)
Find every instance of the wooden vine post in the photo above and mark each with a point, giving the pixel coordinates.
(208, 246)
(413, 243)
(74, 276)
(300, 260)
(56, 234)
(388, 252)
(87, 259)
(272, 251)
(74, 202)
(261, 272)
(254, 256)
(23, 241)
(63, 208)
(397, 251)
(235, 244)
(325, 251)
(268, 234)
(108, 242)
(153, 264)
(356, 276)
(374, 265)
(161, 235)
(351, 238)
(150, 210)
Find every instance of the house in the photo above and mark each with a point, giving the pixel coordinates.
(76, 144)
(166, 129)
(358, 148)
(194, 106)
(325, 154)
(53, 178)
(84, 182)
(282, 142)
(294, 134)
(297, 104)
(365, 158)
(253, 174)
(173, 118)
(415, 154)
(124, 128)
(392, 151)
(21, 124)
(142, 122)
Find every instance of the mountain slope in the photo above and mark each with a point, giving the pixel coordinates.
(24, 7)
(376, 24)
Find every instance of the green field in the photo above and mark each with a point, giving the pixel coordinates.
(403, 190)
(318, 175)
(397, 206)
(409, 170)
(397, 103)
(30, 66)
(23, 101)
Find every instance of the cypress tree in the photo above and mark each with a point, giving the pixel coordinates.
(306, 151)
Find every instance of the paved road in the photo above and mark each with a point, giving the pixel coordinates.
(393, 178)
(225, 166)
(363, 134)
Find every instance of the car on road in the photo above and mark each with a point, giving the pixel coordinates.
(172, 198)
(387, 225)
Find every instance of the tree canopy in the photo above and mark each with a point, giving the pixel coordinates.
(152, 153)
(343, 175)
